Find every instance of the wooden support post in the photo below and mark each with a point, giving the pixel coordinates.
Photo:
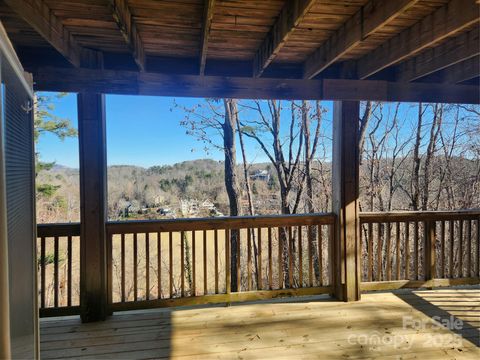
(345, 200)
(93, 183)
(429, 249)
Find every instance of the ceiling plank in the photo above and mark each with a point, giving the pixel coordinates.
(291, 15)
(373, 16)
(448, 20)
(207, 24)
(40, 17)
(451, 52)
(124, 20)
(155, 84)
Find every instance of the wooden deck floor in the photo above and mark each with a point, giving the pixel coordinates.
(388, 325)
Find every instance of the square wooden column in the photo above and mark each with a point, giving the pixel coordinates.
(93, 206)
(345, 183)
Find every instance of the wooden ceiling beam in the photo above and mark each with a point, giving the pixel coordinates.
(206, 27)
(154, 84)
(453, 51)
(124, 20)
(290, 17)
(446, 21)
(463, 71)
(40, 17)
(370, 18)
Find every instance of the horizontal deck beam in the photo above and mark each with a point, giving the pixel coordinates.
(155, 84)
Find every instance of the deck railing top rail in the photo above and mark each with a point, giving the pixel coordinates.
(233, 222)
(373, 217)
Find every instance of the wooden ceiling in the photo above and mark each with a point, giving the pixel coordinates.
(396, 40)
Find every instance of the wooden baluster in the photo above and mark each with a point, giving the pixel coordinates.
(429, 257)
(320, 255)
(290, 257)
(469, 248)
(379, 252)
(370, 251)
(159, 265)
(460, 251)
(205, 280)
(477, 264)
(182, 264)
(239, 274)
(42, 272)
(397, 251)
(122, 260)
(415, 249)
(55, 271)
(194, 266)
(407, 250)
(451, 228)
(280, 258)
(442, 251)
(135, 269)
(331, 239)
(216, 260)
(170, 263)
(249, 260)
(69, 271)
(300, 257)
(388, 251)
(310, 257)
(259, 261)
(228, 284)
(270, 262)
(147, 266)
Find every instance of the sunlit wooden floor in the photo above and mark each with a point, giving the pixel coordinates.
(388, 325)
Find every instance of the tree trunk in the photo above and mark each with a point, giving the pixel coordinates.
(231, 182)
(251, 208)
(415, 187)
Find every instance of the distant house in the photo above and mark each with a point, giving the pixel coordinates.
(207, 204)
(262, 175)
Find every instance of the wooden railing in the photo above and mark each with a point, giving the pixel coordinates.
(58, 258)
(421, 248)
(188, 261)
(179, 262)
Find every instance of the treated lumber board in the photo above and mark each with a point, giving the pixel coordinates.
(402, 216)
(370, 18)
(208, 12)
(452, 51)
(398, 284)
(155, 84)
(289, 18)
(452, 18)
(220, 298)
(279, 333)
(127, 26)
(51, 230)
(38, 15)
(93, 192)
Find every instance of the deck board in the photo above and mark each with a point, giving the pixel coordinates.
(313, 327)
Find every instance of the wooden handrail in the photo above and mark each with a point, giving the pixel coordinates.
(234, 222)
(394, 216)
(58, 229)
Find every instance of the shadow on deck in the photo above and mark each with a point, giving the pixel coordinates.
(382, 325)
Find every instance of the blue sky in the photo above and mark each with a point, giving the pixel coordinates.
(141, 130)
(146, 131)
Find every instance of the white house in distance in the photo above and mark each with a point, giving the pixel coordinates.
(262, 175)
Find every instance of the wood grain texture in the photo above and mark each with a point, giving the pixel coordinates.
(305, 327)
(133, 83)
(371, 17)
(445, 22)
